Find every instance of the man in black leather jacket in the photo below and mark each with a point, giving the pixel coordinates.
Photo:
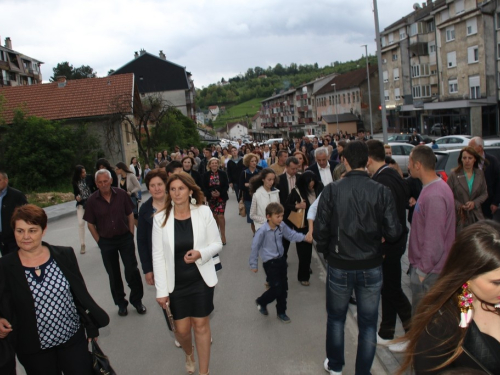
(355, 215)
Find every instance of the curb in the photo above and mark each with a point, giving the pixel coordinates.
(383, 354)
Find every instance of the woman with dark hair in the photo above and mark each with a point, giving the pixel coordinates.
(187, 166)
(215, 187)
(185, 238)
(83, 187)
(50, 313)
(136, 169)
(272, 157)
(104, 164)
(165, 156)
(303, 161)
(250, 162)
(242, 150)
(128, 182)
(457, 324)
(263, 191)
(261, 163)
(307, 187)
(158, 159)
(469, 189)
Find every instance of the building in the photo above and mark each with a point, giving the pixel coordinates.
(441, 70)
(156, 76)
(18, 69)
(95, 102)
(233, 130)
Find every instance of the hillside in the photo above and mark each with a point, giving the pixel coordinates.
(239, 112)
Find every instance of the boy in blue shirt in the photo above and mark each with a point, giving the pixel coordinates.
(268, 244)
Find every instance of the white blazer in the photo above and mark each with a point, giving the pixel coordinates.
(206, 239)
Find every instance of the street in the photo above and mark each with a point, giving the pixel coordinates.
(244, 341)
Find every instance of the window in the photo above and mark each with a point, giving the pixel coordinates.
(415, 70)
(453, 86)
(2, 56)
(343, 95)
(357, 96)
(419, 70)
(452, 59)
(391, 38)
(402, 33)
(459, 6)
(385, 75)
(426, 91)
(395, 74)
(498, 20)
(349, 98)
(394, 57)
(473, 54)
(471, 26)
(416, 91)
(386, 95)
(384, 43)
(397, 95)
(450, 33)
(445, 14)
(474, 87)
(416, 28)
(498, 50)
(432, 48)
(430, 26)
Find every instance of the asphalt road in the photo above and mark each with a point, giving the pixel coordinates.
(244, 341)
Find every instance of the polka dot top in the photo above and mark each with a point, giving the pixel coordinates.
(56, 315)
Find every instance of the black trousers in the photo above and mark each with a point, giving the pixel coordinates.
(394, 301)
(9, 368)
(278, 284)
(304, 252)
(111, 251)
(72, 357)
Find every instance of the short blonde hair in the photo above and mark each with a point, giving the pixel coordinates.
(248, 157)
(211, 160)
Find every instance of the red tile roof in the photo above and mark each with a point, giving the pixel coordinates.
(347, 80)
(79, 98)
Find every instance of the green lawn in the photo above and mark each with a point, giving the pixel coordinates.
(239, 112)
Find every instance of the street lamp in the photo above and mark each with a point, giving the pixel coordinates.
(369, 91)
(336, 110)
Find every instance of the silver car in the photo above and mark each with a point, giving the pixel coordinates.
(452, 142)
(401, 154)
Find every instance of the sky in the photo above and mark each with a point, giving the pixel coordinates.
(211, 38)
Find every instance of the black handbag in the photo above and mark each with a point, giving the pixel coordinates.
(100, 362)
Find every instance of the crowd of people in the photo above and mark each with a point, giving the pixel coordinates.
(345, 194)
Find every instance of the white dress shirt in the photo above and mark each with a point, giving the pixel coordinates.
(326, 174)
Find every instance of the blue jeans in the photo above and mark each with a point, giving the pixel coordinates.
(367, 284)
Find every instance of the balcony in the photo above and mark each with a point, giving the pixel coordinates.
(302, 120)
(419, 44)
(5, 83)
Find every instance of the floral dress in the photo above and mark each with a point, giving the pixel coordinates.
(217, 204)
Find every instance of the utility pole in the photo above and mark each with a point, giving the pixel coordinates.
(380, 71)
(336, 108)
(369, 90)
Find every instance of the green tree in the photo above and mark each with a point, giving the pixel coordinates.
(70, 72)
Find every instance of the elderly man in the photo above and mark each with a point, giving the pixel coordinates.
(9, 199)
(111, 222)
(279, 166)
(323, 168)
(491, 169)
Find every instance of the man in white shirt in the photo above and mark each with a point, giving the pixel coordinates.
(323, 168)
(267, 152)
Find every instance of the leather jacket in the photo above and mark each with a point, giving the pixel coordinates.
(354, 214)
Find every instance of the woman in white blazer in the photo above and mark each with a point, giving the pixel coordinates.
(128, 182)
(185, 239)
(263, 190)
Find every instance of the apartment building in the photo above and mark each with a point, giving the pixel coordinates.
(440, 69)
(16, 68)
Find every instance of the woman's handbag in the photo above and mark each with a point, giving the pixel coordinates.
(297, 218)
(241, 208)
(170, 317)
(100, 362)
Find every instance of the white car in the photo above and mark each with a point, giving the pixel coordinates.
(401, 154)
(492, 142)
(452, 142)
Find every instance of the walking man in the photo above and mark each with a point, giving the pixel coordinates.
(111, 222)
(355, 215)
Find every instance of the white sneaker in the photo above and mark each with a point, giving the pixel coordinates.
(399, 347)
(327, 369)
(381, 341)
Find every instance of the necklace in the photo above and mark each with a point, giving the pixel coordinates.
(38, 271)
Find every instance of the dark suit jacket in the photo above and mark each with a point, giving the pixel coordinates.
(21, 310)
(145, 236)
(224, 185)
(196, 177)
(14, 198)
(283, 188)
(492, 177)
(315, 169)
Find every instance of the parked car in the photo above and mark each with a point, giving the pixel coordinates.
(491, 142)
(452, 142)
(406, 138)
(401, 154)
(436, 129)
(448, 159)
(272, 140)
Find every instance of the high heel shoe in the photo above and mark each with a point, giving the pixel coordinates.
(208, 373)
(190, 362)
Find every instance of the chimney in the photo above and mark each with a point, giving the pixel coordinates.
(61, 81)
(8, 43)
(162, 55)
(429, 2)
(136, 55)
(143, 51)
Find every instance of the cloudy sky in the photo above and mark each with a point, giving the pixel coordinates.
(211, 38)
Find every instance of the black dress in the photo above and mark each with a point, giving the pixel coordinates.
(191, 297)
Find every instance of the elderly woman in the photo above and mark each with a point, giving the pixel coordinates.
(46, 304)
(128, 182)
(185, 238)
(469, 189)
(187, 166)
(250, 162)
(263, 191)
(83, 187)
(215, 187)
(457, 324)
